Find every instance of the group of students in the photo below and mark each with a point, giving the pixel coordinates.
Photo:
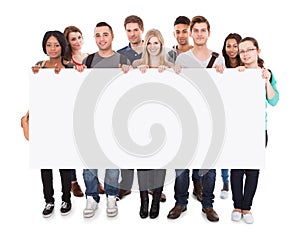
(64, 51)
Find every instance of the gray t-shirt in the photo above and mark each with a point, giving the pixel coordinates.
(189, 60)
(113, 61)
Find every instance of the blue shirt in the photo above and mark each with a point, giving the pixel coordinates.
(131, 54)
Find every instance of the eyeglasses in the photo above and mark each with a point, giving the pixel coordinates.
(247, 51)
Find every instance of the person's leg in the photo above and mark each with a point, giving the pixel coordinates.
(126, 182)
(181, 187)
(65, 176)
(111, 185)
(90, 177)
(47, 180)
(208, 181)
(197, 182)
(250, 188)
(143, 181)
(75, 187)
(236, 182)
(225, 188)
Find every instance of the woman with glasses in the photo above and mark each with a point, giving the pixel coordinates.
(243, 191)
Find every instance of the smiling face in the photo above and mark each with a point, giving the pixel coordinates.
(154, 46)
(232, 48)
(75, 40)
(248, 54)
(200, 34)
(53, 48)
(181, 33)
(103, 38)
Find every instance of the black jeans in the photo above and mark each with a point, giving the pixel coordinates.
(243, 194)
(47, 180)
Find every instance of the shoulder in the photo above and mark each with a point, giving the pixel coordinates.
(122, 49)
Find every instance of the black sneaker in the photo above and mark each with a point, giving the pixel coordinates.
(65, 208)
(48, 210)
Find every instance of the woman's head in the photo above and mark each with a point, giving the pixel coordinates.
(74, 40)
(154, 45)
(230, 49)
(57, 39)
(249, 52)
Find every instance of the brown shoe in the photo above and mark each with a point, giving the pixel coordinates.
(100, 188)
(176, 212)
(76, 190)
(123, 193)
(163, 197)
(211, 215)
(198, 190)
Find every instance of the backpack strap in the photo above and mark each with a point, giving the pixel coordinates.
(214, 56)
(89, 60)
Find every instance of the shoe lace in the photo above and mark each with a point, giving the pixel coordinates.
(48, 206)
(64, 205)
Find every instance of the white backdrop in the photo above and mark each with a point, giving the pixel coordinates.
(23, 24)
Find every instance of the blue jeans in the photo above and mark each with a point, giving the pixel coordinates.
(111, 184)
(225, 176)
(182, 183)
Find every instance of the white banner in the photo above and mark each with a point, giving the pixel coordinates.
(102, 118)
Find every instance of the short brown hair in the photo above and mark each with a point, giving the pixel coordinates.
(199, 19)
(134, 19)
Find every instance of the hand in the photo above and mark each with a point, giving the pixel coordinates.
(219, 68)
(56, 69)
(126, 68)
(35, 69)
(143, 68)
(177, 69)
(162, 68)
(80, 68)
(266, 75)
(241, 68)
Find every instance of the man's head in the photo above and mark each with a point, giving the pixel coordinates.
(103, 36)
(199, 30)
(134, 28)
(181, 30)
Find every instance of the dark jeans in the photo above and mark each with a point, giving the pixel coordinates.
(182, 183)
(47, 180)
(73, 175)
(243, 194)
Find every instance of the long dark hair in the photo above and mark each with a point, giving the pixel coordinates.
(61, 40)
(260, 61)
(238, 38)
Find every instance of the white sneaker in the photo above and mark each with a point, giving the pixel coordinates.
(224, 194)
(91, 206)
(236, 216)
(112, 208)
(248, 218)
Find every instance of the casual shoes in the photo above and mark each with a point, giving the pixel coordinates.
(112, 208)
(224, 192)
(176, 211)
(248, 217)
(211, 214)
(91, 207)
(76, 190)
(236, 215)
(65, 208)
(48, 210)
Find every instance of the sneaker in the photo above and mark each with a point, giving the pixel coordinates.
(236, 215)
(76, 190)
(224, 191)
(224, 194)
(248, 217)
(91, 206)
(48, 210)
(112, 208)
(65, 208)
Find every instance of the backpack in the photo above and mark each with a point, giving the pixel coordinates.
(214, 56)
(89, 59)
